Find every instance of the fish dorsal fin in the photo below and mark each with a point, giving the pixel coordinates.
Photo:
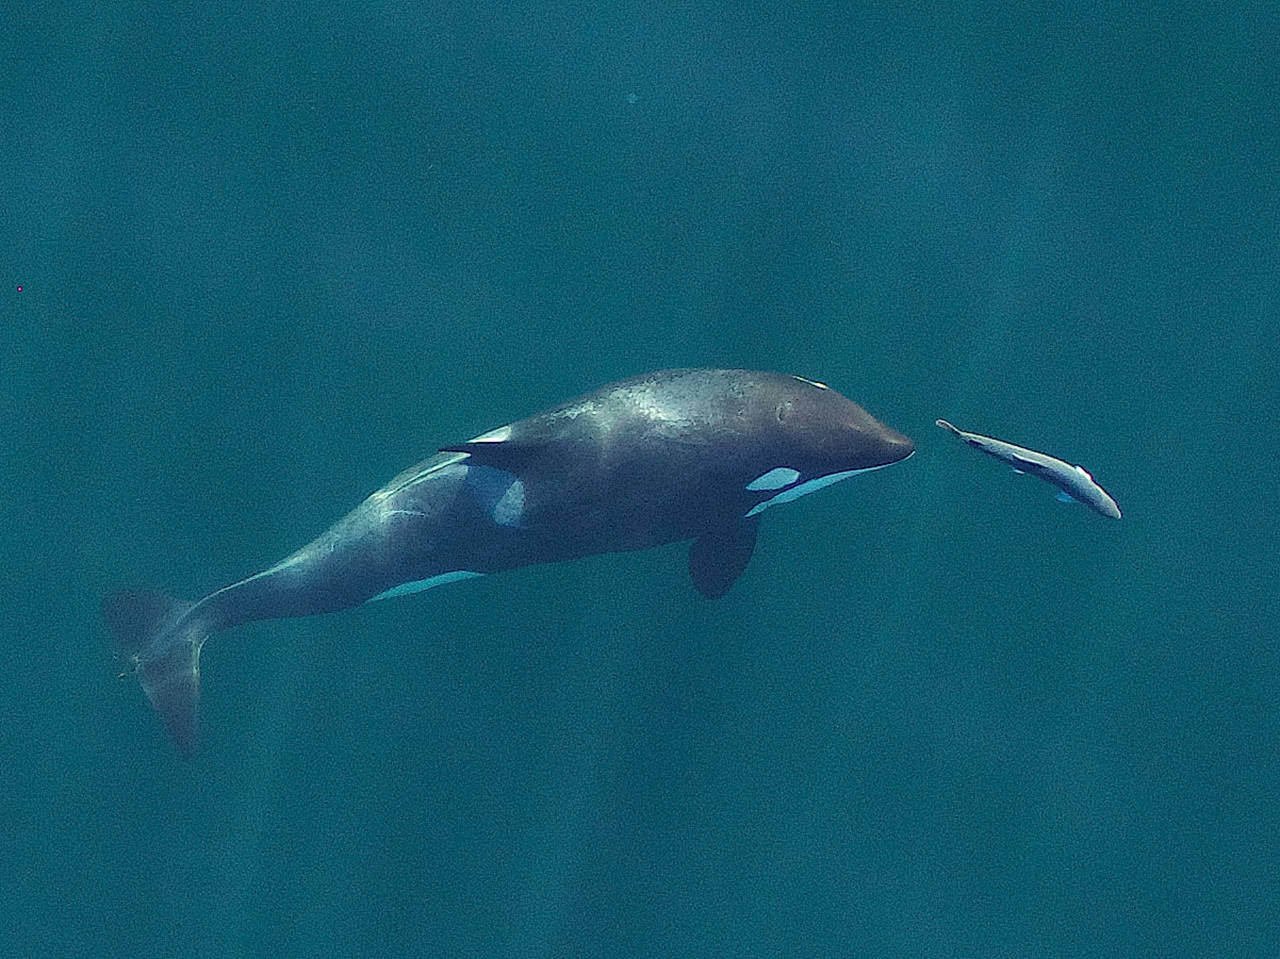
(718, 557)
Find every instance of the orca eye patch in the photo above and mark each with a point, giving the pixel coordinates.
(776, 478)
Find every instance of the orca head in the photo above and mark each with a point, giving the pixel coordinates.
(823, 432)
(814, 437)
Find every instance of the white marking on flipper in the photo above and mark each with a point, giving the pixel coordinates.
(776, 478)
(418, 585)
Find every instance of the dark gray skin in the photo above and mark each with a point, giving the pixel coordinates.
(668, 456)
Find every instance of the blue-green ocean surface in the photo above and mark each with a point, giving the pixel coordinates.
(255, 259)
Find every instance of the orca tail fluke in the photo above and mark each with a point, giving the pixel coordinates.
(154, 634)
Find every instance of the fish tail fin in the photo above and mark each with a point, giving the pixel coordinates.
(153, 633)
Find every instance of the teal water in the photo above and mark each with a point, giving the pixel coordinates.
(268, 256)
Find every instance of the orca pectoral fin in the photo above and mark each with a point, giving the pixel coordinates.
(718, 557)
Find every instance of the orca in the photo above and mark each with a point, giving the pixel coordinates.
(673, 455)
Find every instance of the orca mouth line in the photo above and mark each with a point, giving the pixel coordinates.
(789, 492)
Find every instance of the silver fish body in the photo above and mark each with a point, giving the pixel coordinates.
(1073, 481)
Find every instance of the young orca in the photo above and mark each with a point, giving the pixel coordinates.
(667, 456)
(1074, 482)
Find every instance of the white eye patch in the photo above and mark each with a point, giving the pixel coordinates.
(774, 479)
(807, 487)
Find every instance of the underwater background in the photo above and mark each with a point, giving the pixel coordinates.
(258, 258)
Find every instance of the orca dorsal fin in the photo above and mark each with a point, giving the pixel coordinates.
(508, 455)
(516, 446)
(718, 557)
